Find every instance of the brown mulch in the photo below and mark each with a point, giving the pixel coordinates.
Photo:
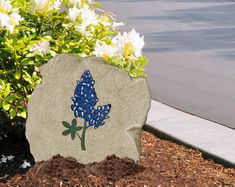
(162, 163)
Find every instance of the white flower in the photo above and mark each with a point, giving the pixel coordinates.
(10, 157)
(25, 165)
(4, 159)
(4, 20)
(82, 29)
(46, 5)
(104, 50)
(117, 24)
(10, 21)
(56, 5)
(15, 17)
(74, 13)
(40, 4)
(137, 42)
(40, 48)
(129, 44)
(88, 16)
(5, 6)
(105, 20)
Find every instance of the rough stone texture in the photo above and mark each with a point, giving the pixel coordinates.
(50, 104)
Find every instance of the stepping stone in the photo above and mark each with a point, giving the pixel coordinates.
(86, 109)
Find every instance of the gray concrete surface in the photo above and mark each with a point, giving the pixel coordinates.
(214, 139)
(191, 46)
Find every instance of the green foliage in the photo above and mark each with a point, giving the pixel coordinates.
(36, 31)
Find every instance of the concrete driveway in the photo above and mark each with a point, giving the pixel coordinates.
(191, 46)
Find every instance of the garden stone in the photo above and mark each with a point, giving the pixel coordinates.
(86, 109)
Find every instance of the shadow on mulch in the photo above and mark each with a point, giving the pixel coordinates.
(162, 163)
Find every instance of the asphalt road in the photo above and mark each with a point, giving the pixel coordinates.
(191, 46)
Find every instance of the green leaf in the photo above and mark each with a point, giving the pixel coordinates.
(76, 50)
(27, 78)
(23, 114)
(17, 74)
(72, 135)
(74, 122)
(5, 105)
(7, 90)
(26, 62)
(66, 124)
(66, 132)
(29, 55)
(12, 113)
(10, 99)
(53, 53)
(78, 128)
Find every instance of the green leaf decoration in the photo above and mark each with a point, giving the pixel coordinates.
(78, 128)
(74, 122)
(66, 124)
(71, 128)
(72, 136)
(66, 132)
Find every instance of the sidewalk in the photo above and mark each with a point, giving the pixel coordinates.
(214, 140)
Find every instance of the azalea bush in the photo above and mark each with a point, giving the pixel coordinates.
(32, 32)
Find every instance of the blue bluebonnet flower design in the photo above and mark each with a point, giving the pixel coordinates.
(84, 101)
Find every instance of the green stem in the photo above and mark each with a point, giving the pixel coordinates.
(79, 136)
(83, 144)
(41, 27)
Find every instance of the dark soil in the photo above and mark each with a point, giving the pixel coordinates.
(162, 163)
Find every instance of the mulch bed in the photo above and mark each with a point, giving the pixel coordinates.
(162, 163)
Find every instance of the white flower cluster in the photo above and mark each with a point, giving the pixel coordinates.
(40, 48)
(129, 45)
(46, 5)
(4, 159)
(85, 15)
(97, 29)
(9, 16)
